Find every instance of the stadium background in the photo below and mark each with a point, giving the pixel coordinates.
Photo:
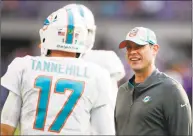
(171, 21)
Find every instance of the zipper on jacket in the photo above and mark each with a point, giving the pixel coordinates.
(130, 106)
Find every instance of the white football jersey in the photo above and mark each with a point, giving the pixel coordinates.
(59, 95)
(112, 63)
(108, 60)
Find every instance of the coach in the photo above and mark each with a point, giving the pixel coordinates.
(150, 103)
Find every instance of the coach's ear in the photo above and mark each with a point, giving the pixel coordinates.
(155, 49)
(39, 46)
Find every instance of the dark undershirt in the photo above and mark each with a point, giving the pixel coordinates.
(135, 84)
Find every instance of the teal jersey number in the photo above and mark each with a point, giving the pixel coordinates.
(44, 83)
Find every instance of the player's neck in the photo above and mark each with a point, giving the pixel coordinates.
(141, 76)
(62, 54)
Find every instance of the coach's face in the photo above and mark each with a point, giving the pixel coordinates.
(141, 57)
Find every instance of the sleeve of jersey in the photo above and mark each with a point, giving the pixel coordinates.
(178, 112)
(114, 65)
(102, 117)
(11, 110)
(12, 78)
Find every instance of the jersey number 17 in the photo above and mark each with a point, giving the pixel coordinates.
(44, 83)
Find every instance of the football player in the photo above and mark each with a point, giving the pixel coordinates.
(58, 92)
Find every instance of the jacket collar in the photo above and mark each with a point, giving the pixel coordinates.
(152, 80)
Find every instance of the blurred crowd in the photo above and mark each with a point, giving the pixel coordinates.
(178, 67)
(158, 10)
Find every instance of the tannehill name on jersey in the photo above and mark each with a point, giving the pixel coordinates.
(47, 66)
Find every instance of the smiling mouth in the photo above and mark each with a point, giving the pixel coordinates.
(134, 59)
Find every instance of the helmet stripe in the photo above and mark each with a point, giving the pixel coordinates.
(70, 29)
